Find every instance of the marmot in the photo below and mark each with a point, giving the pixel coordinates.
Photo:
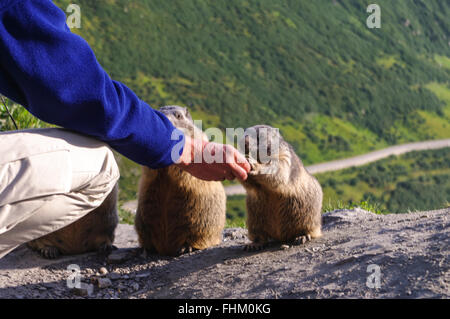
(284, 201)
(94, 231)
(178, 212)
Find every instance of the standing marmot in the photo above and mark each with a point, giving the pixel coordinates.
(284, 201)
(178, 212)
(94, 231)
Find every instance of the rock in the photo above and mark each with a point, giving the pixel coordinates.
(135, 286)
(114, 276)
(121, 287)
(104, 282)
(119, 256)
(234, 233)
(284, 247)
(345, 216)
(84, 290)
(346, 261)
(103, 271)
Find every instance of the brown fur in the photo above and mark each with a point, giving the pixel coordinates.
(284, 204)
(176, 211)
(94, 231)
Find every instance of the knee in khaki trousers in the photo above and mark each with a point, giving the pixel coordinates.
(49, 178)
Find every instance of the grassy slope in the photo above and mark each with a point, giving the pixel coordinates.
(414, 181)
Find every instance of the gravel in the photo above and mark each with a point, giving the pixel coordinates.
(361, 255)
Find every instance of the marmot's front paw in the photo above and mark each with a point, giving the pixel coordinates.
(49, 252)
(300, 240)
(255, 246)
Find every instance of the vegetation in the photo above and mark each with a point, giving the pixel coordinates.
(412, 182)
(366, 205)
(125, 217)
(236, 211)
(21, 116)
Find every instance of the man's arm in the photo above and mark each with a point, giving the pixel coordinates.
(55, 75)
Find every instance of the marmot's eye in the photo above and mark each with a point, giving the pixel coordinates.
(178, 115)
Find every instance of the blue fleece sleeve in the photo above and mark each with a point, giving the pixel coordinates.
(55, 75)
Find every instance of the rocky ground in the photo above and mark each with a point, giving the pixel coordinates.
(409, 253)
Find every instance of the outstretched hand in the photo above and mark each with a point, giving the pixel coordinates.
(213, 161)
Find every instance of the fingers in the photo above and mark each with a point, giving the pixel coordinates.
(238, 171)
(237, 163)
(242, 161)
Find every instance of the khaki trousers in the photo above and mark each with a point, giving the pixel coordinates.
(49, 178)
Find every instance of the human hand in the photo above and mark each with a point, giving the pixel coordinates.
(213, 161)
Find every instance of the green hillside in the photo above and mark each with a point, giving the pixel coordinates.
(412, 182)
(312, 68)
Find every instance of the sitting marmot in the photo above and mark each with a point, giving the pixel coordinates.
(178, 212)
(284, 201)
(94, 231)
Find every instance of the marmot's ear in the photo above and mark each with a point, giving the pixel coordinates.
(188, 115)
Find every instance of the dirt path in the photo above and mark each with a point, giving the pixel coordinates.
(411, 252)
(360, 160)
